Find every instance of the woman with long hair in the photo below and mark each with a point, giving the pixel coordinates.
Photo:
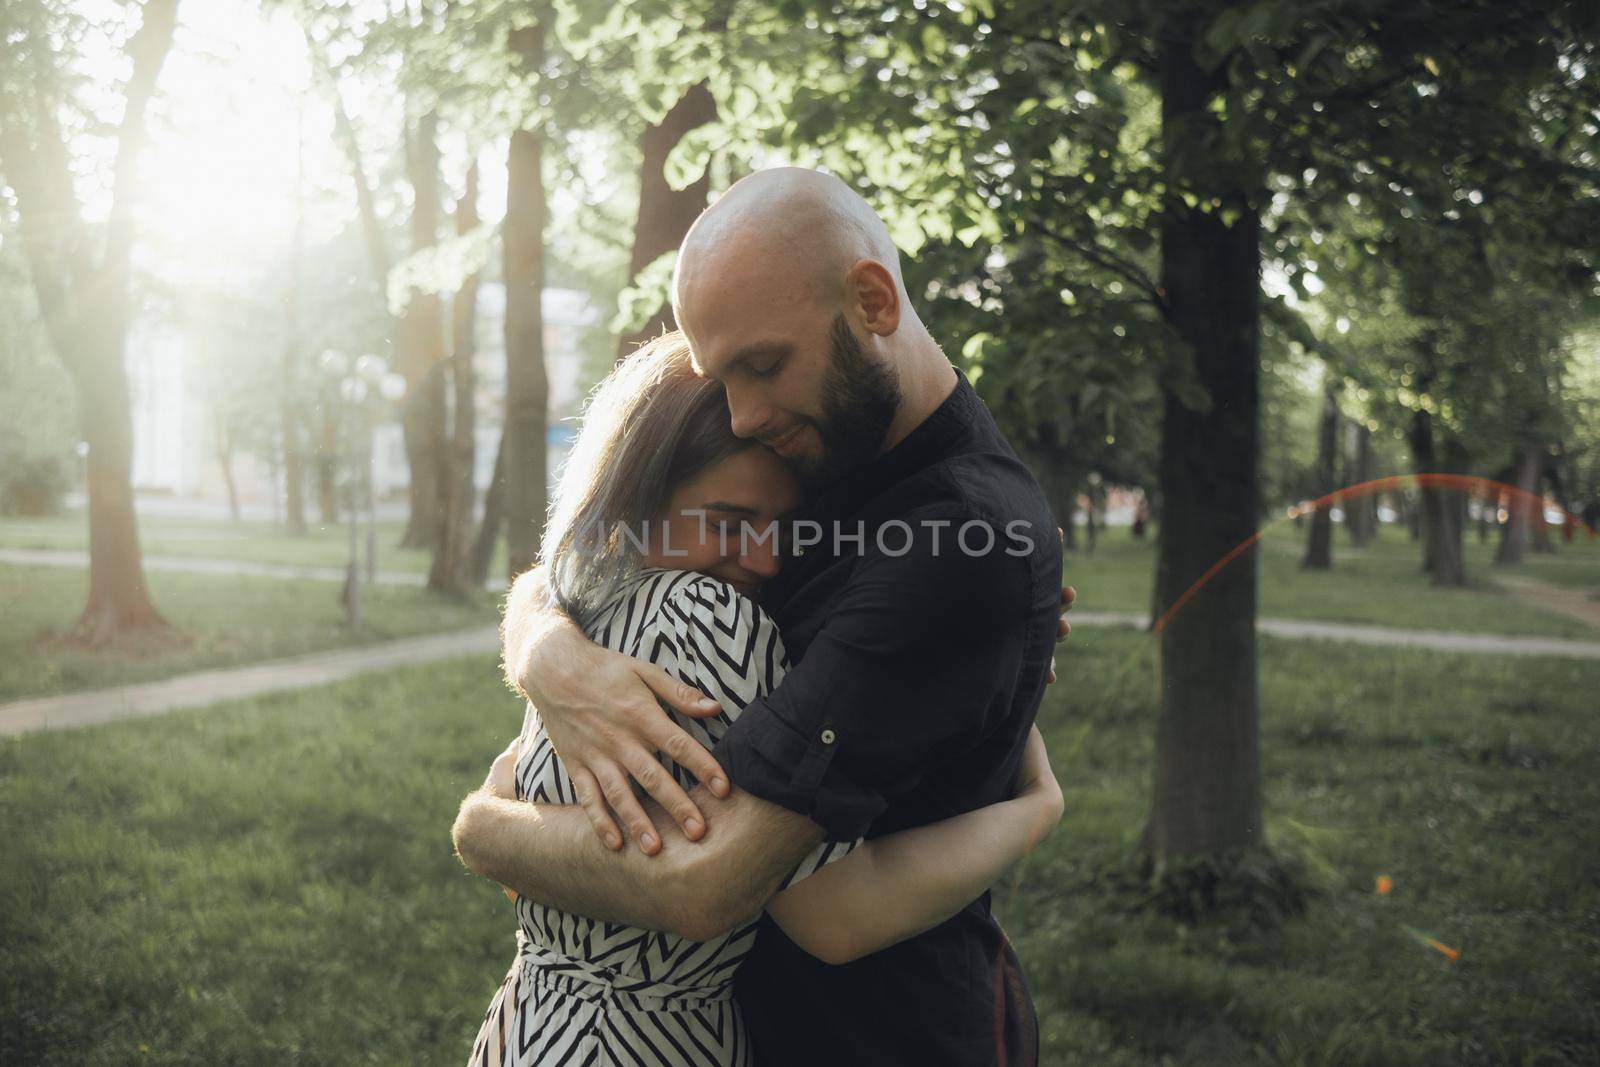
(661, 533)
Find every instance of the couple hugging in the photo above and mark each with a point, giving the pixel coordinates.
(796, 527)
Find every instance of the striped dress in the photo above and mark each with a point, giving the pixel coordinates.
(591, 993)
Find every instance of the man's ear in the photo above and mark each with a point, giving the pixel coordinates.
(871, 288)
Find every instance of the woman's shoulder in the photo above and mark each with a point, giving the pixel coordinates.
(677, 601)
(691, 599)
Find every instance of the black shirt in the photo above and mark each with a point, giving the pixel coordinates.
(921, 652)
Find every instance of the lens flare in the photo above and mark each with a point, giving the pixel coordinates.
(1512, 499)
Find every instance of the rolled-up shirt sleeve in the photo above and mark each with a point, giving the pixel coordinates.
(901, 676)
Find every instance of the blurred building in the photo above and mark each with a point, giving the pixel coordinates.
(177, 451)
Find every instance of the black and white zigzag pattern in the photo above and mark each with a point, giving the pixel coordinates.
(592, 993)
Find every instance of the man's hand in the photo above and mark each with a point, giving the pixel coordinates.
(602, 712)
(1063, 628)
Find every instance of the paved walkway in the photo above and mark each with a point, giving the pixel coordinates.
(1440, 640)
(1573, 602)
(74, 710)
(71, 559)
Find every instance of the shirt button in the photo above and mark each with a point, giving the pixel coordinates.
(827, 737)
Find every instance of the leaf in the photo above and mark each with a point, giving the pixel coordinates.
(689, 157)
(440, 269)
(643, 298)
(972, 351)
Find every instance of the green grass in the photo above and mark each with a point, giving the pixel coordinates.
(229, 621)
(1474, 782)
(268, 883)
(271, 880)
(255, 542)
(1381, 585)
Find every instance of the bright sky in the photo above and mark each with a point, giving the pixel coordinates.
(235, 109)
(219, 174)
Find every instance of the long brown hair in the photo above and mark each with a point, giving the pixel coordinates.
(649, 427)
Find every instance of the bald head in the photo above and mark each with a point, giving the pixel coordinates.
(789, 292)
(788, 229)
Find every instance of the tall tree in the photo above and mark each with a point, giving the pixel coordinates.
(289, 428)
(1319, 544)
(1361, 511)
(82, 280)
(1207, 777)
(527, 381)
(420, 346)
(451, 569)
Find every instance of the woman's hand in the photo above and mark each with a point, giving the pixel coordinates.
(1063, 627)
(1036, 783)
(502, 780)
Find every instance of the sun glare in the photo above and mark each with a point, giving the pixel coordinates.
(235, 113)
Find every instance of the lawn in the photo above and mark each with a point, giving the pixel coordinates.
(1381, 585)
(228, 620)
(271, 880)
(255, 542)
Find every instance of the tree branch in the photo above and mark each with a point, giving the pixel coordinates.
(148, 49)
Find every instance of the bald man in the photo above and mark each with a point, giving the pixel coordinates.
(919, 658)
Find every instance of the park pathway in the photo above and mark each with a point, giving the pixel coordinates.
(75, 560)
(1384, 636)
(74, 710)
(1573, 602)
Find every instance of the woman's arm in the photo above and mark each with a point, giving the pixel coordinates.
(897, 886)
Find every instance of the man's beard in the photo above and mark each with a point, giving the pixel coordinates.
(859, 401)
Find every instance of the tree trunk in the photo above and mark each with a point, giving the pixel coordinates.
(1361, 512)
(327, 462)
(494, 516)
(1060, 485)
(421, 350)
(1319, 546)
(450, 571)
(288, 408)
(1440, 512)
(119, 607)
(1091, 529)
(665, 213)
(527, 384)
(225, 462)
(1524, 510)
(86, 307)
(1207, 790)
(366, 205)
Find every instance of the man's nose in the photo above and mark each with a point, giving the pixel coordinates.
(748, 414)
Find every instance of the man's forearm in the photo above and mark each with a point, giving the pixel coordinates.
(696, 889)
(549, 853)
